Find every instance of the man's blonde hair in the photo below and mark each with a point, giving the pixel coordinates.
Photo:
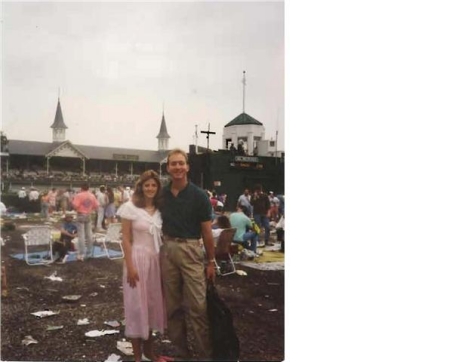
(177, 151)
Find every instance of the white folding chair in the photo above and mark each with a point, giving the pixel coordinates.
(39, 236)
(114, 236)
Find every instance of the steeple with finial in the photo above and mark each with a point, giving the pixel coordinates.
(163, 135)
(59, 127)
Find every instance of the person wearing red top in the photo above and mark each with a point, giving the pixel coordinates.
(84, 203)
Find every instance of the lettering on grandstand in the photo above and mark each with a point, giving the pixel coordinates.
(246, 159)
(247, 165)
(122, 157)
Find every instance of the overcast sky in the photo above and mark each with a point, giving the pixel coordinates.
(117, 64)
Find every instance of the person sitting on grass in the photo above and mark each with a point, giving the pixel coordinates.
(245, 235)
(64, 244)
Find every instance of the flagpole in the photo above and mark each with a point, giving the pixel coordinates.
(243, 97)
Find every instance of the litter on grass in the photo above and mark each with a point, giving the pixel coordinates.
(113, 358)
(54, 278)
(125, 347)
(71, 298)
(97, 333)
(44, 313)
(113, 324)
(28, 340)
(82, 322)
(54, 328)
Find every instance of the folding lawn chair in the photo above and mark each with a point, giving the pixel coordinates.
(224, 252)
(113, 236)
(39, 236)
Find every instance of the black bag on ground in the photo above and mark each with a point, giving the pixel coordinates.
(224, 340)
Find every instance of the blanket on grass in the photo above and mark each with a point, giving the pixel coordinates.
(39, 255)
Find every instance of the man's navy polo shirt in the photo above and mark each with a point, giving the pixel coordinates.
(182, 215)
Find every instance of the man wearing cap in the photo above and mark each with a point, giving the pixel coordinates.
(85, 203)
(187, 228)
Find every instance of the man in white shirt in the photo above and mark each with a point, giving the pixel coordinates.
(22, 193)
(33, 195)
(102, 199)
(126, 194)
(244, 200)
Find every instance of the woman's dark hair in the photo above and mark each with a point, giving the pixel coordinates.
(110, 193)
(138, 195)
(223, 222)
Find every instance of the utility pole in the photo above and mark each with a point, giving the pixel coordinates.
(208, 132)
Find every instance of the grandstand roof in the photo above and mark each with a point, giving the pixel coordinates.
(19, 147)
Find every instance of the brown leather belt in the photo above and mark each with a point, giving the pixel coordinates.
(180, 240)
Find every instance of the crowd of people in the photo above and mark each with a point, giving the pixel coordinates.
(69, 176)
(169, 235)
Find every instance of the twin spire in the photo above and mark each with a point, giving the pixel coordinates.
(59, 129)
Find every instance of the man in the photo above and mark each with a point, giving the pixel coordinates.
(33, 195)
(244, 200)
(126, 194)
(274, 205)
(64, 244)
(52, 200)
(102, 199)
(84, 203)
(261, 211)
(22, 194)
(186, 219)
(244, 235)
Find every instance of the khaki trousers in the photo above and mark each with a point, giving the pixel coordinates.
(184, 280)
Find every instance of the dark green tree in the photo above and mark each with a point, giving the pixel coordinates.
(4, 142)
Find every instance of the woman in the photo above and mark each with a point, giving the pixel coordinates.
(110, 210)
(142, 289)
(219, 224)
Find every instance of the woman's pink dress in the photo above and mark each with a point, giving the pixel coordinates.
(144, 304)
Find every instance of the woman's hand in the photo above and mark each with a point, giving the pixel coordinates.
(132, 277)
